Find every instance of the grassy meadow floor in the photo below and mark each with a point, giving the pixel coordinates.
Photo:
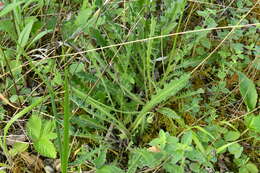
(130, 86)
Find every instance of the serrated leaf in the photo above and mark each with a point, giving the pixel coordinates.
(45, 148)
(34, 126)
(248, 91)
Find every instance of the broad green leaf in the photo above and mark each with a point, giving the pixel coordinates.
(45, 147)
(34, 126)
(232, 136)
(248, 91)
(169, 113)
(172, 145)
(57, 79)
(236, 150)
(206, 42)
(13, 98)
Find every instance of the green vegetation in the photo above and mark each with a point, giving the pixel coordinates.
(130, 86)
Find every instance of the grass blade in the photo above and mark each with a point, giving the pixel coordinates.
(66, 124)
